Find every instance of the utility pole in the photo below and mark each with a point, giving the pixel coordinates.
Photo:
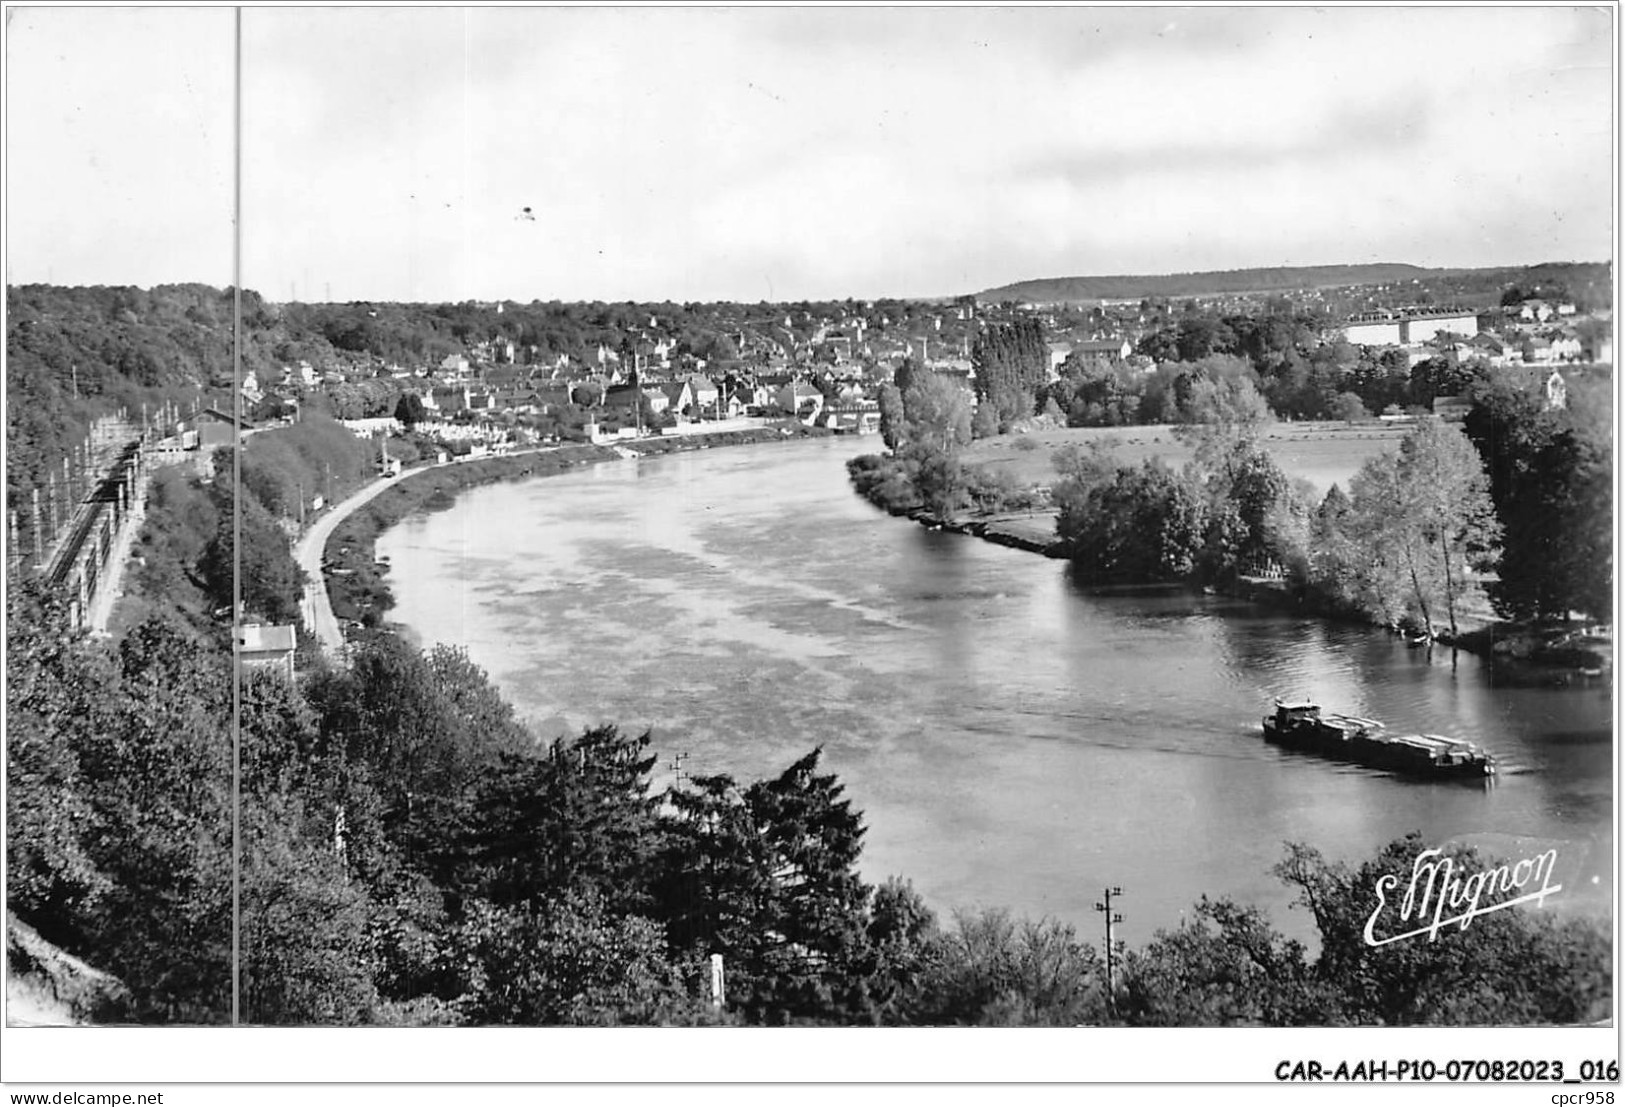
(53, 497)
(1112, 945)
(38, 530)
(677, 768)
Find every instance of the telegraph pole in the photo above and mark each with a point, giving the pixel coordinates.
(1112, 944)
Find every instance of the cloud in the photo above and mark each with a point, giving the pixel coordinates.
(701, 153)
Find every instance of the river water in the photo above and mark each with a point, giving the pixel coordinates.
(1011, 739)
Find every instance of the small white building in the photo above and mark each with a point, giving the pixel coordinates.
(266, 647)
(1557, 391)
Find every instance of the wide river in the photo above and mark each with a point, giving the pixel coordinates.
(1011, 739)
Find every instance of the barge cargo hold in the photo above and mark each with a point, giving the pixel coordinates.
(1302, 725)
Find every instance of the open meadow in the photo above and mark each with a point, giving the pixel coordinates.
(1322, 453)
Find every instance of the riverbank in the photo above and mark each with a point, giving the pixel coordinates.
(1518, 654)
(356, 585)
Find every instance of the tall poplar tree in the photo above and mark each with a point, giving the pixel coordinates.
(1425, 520)
(1012, 364)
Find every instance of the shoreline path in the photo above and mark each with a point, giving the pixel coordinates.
(316, 610)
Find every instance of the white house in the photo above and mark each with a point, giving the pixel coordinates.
(704, 393)
(801, 399)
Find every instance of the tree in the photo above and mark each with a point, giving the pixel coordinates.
(1440, 376)
(984, 421)
(58, 692)
(901, 933)
(1446, 496)
(1200, 336)
(1348, 407)
(1091, 393)
(893, 421)
(767, 877)
(1373, 572)
(1012, 364)
(939, 426)
(1549, 479)
(1226, 966)
(1424, 518)
(1140, 525)
(416, 727)
(304, 935)
(164, 832)
(908, 371)
(938, 414)
(576, 821)
(1227, 406)
(992, 970)
(714, 880)
(409, 410)
(815, 920)
(568, 962)
(1512, 967)
(271, 582)
(1249, 502)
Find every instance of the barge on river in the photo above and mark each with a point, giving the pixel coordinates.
(1300, 725)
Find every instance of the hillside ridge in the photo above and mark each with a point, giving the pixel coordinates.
(1236, 281)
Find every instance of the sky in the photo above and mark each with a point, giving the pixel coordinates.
(813, 153)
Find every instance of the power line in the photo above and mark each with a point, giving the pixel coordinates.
(1113, 946)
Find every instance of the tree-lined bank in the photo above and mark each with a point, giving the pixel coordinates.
(1404, 547)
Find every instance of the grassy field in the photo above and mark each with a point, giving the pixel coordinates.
(1322, 453)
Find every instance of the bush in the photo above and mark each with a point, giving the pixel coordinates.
(993, 490)
(886, 482)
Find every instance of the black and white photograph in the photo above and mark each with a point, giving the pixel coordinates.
(1093, 520)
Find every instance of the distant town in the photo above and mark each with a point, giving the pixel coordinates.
(515, 374)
